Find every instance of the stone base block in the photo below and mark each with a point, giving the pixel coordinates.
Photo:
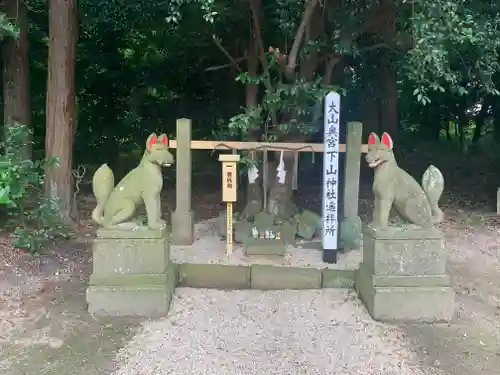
(144, 301)
(266, 277)
(132, 274)
(218, 276)
(406, 298)
(124, 252)
(403, 275)
(406, 250)
(147, 295)
(259, 246)
(183, 228)
(333, 278)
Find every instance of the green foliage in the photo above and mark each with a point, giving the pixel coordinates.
(141, 65)
(175, 9)
(136, 74)
(299, 103)
(456, 47)
(7, 28)
(34, 219)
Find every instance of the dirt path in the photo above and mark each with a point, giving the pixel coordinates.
(44, 325)
(45, 329)
(470, 344)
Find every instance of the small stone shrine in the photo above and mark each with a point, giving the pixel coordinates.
(265, 238)
(267, 234)
(403, 273)
(132, 273)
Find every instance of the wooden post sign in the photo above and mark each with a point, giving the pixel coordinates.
(331, 177)
(229, 193)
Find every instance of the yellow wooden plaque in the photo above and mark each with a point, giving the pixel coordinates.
(229, 182)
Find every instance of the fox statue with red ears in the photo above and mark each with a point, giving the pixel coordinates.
(417, 203)
(116, 205)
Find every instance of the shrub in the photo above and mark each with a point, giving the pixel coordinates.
(32, 217)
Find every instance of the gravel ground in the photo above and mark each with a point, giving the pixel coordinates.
(274, 332)
(248, 332)
(208, 248)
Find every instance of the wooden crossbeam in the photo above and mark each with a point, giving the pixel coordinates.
(275, 146)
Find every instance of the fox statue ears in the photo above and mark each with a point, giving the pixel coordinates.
(386, 140)
(373, 139)
(153, 140)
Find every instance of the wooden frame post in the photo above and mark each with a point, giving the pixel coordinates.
(498, 201)
(229, 193)
(350, 226)
(352, 168)
(182, 217)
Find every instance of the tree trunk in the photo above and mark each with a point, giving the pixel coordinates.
(437, 131)
(368, 105)
(388, 82)
(495, 112)
(447, 128)
(60, 104)
(461, 125)
(480, 120)
(388, 105)
(254, 186)
(16, 88)
(429, 128)
(280, 202)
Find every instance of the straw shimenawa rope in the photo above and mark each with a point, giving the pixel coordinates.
(265, 167)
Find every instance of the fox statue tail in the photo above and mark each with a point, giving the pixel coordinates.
(433, 185)
(103, 184)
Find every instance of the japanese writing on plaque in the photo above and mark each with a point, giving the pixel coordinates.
(330, 171)
(229, 180)
(229, 224)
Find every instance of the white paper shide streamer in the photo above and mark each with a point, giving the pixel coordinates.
(253, 174)
(281, 170)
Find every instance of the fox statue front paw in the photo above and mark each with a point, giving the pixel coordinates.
(158, 224)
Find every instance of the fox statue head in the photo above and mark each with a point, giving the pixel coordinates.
(379, 151)
(157, 150)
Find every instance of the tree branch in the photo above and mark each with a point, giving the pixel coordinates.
(288, 63)
(377, 17)
(299, 36)
(218, 43)
(254, 8)
(218, 67)
(329, 66)
(281, 59)
(258, 36)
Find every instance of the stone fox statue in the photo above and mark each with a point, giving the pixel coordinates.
(116, 205)
(392, 185)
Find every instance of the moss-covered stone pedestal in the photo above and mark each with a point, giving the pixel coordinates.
(403, 275)
(132, 273)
